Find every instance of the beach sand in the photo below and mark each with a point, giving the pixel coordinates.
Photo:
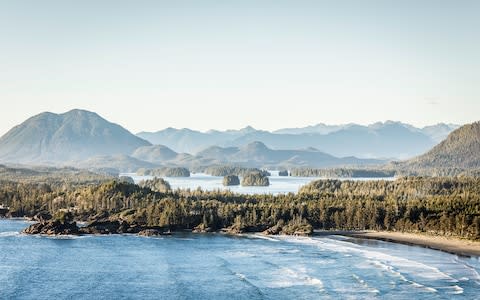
(452, 245)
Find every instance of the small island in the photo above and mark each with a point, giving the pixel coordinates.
(165, 172)
(231, 180)
(255, 179)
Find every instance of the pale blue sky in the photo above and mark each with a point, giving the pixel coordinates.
(148, 65)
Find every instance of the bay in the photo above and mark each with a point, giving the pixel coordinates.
(217, 266)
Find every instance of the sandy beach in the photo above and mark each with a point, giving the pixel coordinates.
(448, 244)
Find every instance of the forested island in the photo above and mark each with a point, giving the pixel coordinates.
(231, 170)
(165, 172)
(230, 180)
(255, 179)
(342, 173)
(444, 206)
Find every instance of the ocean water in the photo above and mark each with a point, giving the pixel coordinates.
(217, 266)
(278, 184)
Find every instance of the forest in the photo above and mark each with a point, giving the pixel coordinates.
(443, 206)
(165, 172)
(342, 173)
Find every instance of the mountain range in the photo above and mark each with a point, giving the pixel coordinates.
(379, 140)
(84, 139)
(254, 154)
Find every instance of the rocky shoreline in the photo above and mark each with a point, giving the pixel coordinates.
(103, 224)
(56, 227)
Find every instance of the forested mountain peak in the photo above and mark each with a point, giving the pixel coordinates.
(461, 149)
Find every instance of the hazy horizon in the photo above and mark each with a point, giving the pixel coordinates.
(246, 125)
(222, 65)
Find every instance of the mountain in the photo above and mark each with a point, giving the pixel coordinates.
(121, 163)
(71, 136)
(192, 141)
(385, 140)
(439, 131)
(436, 132)
(257, 154)
(154, 153)
(379, 140)
(461, 149)
(319, 128)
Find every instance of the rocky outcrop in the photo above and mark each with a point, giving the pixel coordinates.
(274, 230)
(42, 216)
(297, 226)
(52, 228)
(202, 228)
(3, 211)
(106, 226)
(153, 232)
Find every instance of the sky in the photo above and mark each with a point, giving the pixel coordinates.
(148, 65)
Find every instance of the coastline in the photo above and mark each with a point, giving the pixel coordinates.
(453, 245)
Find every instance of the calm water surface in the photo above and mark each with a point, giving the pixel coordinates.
(278, 184)
(215, 266)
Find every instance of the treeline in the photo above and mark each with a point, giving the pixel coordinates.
(342, 173)
(255, 179)
(402, 169)
(447, 206)
(232, 170)
(165, 172)
(58, 177)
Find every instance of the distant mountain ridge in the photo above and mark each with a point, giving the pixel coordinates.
(84, 139)
(379, 140)
(254, 154)
(71, 136)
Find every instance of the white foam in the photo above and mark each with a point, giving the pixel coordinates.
(63, 237)
(240, 254)
(241, 276)
(365, 285)
(410, 266)
(456, 289)
(9, 233)
(261, 236)
(289, 277)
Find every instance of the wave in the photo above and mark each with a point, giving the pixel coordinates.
(239, 253)
(453, 290)
(9, 233)
(415, 273)
(473, 271)
(365, 285)
(334, 245)
(288, 277)
(66, 237)
(261, 236)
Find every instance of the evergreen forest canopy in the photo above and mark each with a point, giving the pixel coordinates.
(446, 206)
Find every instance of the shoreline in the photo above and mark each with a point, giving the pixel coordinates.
(452, 245)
